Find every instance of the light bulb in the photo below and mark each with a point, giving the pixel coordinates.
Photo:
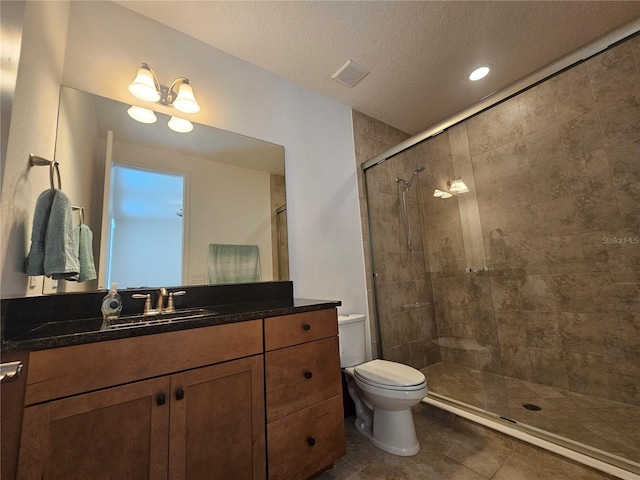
(479, 73)
(185, 101)
(180, 125)
(143, 115)
(144, 86)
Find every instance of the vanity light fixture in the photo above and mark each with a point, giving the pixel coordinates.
(180, 125)
(143, 115)
(440, 194)
(179, 94)
(457, 187)
(479, 73)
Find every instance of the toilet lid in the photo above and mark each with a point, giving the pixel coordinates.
(389, 374)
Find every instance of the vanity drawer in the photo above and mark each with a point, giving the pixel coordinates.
(65, 371)
(306, 442)
(298, 328)
(301, 376)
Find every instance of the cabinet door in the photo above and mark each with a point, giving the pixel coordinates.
(217, 422)
(118, 432)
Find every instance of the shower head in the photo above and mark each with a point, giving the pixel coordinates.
(407, 183)
(413, 176)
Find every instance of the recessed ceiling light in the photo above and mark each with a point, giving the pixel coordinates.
(479, 73)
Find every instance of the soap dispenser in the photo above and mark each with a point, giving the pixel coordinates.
(111, 304)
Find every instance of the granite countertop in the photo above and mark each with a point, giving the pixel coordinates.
(55, 334)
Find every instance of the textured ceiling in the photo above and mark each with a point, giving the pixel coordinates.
(419, 54)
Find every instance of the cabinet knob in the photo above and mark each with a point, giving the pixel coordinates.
(311, 441)
(161, 399)
(179, 394)
(306, 326)
(308, 375)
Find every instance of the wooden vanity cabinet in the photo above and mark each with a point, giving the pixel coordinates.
(305, 424)
(198, 414)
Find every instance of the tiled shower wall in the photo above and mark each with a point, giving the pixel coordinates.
(535, 272)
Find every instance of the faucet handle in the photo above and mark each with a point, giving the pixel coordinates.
(170, 305)
(147, 302)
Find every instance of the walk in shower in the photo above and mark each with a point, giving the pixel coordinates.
(520, 297)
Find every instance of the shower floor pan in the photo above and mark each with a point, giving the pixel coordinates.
(600, 423)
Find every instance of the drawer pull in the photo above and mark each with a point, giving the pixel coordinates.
(179, 394)
(306, 326)
(311, 441)
(308, 375)
(161, 399)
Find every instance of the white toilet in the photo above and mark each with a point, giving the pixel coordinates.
(383, 392)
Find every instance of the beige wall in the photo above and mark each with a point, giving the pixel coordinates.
(33, 130)
(106, 44)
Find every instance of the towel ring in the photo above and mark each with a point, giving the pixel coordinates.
(34, 160)
(54, 165)
(81, 210)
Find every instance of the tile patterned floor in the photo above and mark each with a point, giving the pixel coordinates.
(454, 449)
(598, 422)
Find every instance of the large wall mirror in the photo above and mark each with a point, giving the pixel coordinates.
(156, 200)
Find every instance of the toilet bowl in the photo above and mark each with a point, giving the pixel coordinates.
(383, 392)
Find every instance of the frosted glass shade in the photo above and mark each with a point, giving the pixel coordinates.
(440, 194)
(143, 115)
(458, 186)
(144, 87)
(185, 101)
(180, 125)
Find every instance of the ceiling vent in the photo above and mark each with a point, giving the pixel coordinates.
(350, 73)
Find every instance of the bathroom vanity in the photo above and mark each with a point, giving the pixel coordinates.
(250, 391)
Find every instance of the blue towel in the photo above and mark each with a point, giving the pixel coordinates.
(53, 246)
(233, 264)
(84, 249)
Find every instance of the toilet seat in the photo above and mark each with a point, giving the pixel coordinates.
(388, 375)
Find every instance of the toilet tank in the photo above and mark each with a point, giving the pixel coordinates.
(351, 335)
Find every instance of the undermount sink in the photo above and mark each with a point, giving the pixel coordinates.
(158, 319)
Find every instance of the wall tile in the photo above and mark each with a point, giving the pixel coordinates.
(623, 162)
(557, 217)
(616, 292)
(620, 121)
(537, 113)
(597, 210)
(572, 292)
(542, 329)
(563, 254)
(580, 333)
(614, 75)
(548, 367)
(572, 94)
(544, 146)
(587, 373)
(589, 172)
(581, 135)
(551, 180)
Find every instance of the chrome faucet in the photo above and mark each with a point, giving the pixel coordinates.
(161, 294)
(160, 304)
